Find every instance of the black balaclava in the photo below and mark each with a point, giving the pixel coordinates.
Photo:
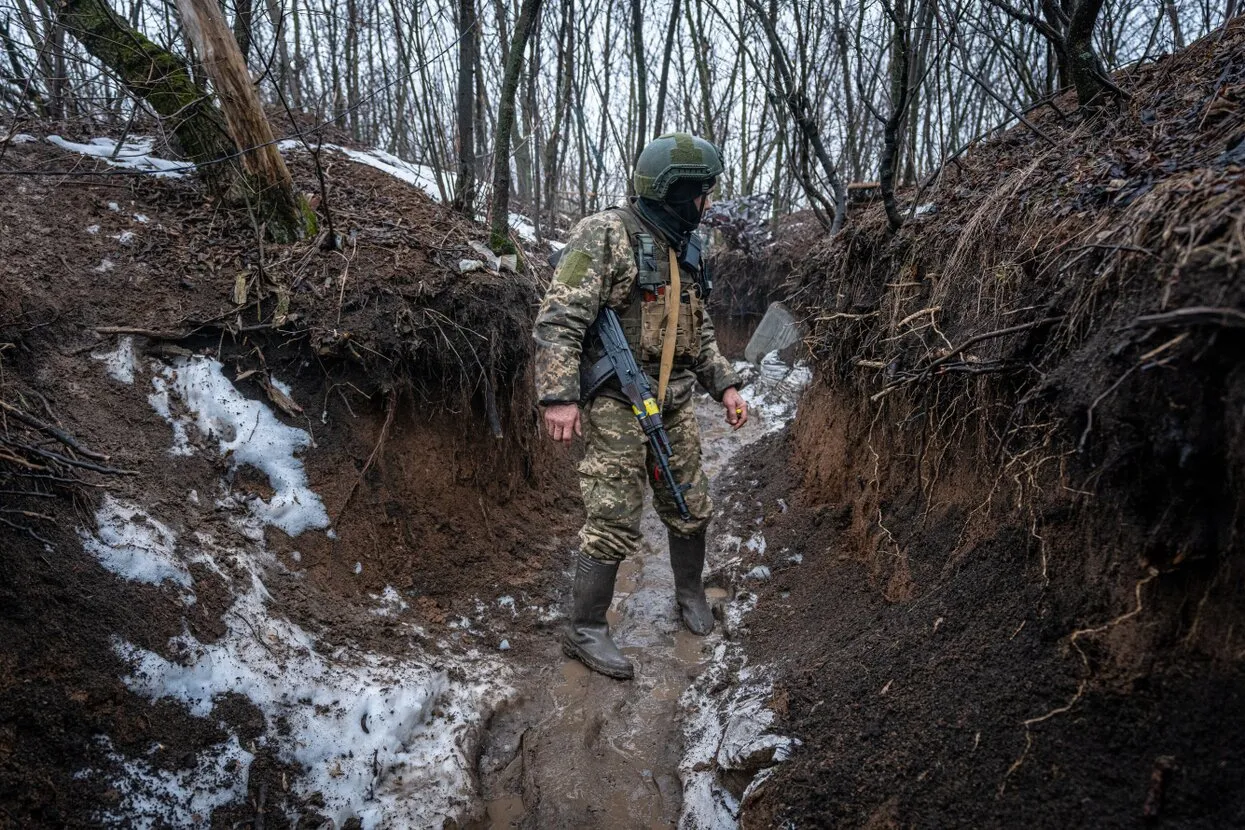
(677, 215)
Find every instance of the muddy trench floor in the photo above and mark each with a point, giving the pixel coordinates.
(581, 750)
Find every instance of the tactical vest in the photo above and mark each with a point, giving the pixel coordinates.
(643, 312)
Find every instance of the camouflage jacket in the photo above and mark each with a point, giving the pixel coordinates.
(598, 267)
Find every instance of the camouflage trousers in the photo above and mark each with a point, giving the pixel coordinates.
(616, 467)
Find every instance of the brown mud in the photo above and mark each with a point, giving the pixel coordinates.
(423, 498)
(1015, 484)
(997, 560)
(582, 750)
(461, 530)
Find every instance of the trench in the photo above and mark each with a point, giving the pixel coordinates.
(577, 749)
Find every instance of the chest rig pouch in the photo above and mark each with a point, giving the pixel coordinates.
(644, 318)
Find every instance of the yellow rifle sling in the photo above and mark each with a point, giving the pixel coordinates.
(673, 292)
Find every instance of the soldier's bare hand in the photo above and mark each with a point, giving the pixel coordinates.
(736, 408)
(562, 422)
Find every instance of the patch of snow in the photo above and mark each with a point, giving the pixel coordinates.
(508, 604)
(523, 227)
(391, 601)
(249, 433)
(757, 543)
(133, 545)
(728, 543)
(773, 394)
(760, 573)
(22, 138)
(92, 229)
(105, 266)
(119, 363)
(141, 218)
(419, 175)
(152, 797)
(736, 610)
(358, 568)
(382, 740)
(727, 734)
(114, 207)
(159, 401)
(125, 237)
(504, 645)
(134, 154)
(546, 615)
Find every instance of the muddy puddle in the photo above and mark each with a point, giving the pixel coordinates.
(582, 750)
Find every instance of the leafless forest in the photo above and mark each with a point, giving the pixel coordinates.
(804, 97)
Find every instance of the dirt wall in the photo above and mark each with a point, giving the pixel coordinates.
(1026, 425)
(400, 370)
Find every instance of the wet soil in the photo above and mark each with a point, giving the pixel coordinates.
(582, 750)
(425, 499)
(959, 701)
(474, 534)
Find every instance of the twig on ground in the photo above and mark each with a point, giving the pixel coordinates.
(1194, 316)
(48, 429)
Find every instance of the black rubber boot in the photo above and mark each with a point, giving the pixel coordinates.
(687, 560)
(587, 637)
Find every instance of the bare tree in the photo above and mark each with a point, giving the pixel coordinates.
(266, 185)
(1070, 30)
(801, 112)
(499, 212)
(465, 186)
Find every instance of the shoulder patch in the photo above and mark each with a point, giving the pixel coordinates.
(573, 268)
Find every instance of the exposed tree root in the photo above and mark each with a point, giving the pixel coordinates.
(1084, 682)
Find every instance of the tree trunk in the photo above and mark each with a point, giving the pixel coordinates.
(283, 75)
(465, 186)
(797, 102)
(163, 81)
(243, 12)
(267, 186)
(499, 224)
(1088, 75)
(554, 142)
(641, 77)
(899, 102)
(662, 85)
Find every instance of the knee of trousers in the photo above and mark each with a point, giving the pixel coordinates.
(698, 505)
(609, 542)
(612, 504)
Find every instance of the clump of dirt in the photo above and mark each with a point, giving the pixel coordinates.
(410, 377)
(1018, 477)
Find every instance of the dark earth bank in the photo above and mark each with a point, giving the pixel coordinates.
(1016, 482)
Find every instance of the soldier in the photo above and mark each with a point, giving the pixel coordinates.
(621, 257)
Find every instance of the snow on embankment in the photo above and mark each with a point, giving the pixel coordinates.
(135, 153)
(428, 179)
(379, 739)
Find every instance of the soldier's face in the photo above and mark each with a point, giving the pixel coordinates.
(703, 202)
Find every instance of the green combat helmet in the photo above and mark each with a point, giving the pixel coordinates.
(674, 156)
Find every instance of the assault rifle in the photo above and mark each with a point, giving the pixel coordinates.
(620, 362)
